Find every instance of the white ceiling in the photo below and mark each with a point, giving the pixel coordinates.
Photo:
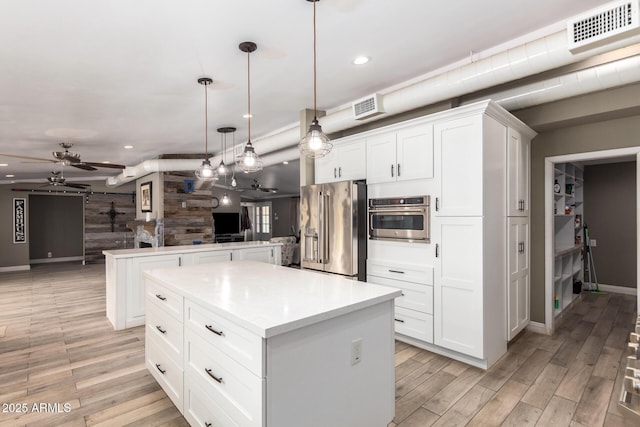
(110, 73)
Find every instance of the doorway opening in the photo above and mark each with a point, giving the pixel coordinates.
(630, 154)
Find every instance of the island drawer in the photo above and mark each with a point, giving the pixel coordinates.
(164, 369)
(167, 329)
(233, 387)
(414, 324)
(199, 409)
(236, 342)
(414, 296)
(400, 271)
(169, 301)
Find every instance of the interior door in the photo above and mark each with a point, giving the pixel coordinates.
(263, 223)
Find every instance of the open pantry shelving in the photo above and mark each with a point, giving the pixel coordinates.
(568, 233)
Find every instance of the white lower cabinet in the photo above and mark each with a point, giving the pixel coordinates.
(125, 268)
(414, 309)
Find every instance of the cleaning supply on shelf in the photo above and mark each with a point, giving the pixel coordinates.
(556, 303)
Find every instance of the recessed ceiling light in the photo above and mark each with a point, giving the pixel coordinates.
(9, 176)
(246, 116)
(128, 147)
(285, 163)
(4, 164)
(106, 162)
(361, 60)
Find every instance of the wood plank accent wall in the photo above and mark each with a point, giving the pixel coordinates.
(184, 225)
(97, 224)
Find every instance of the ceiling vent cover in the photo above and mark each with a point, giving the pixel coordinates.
(603, 25)
(368, 107)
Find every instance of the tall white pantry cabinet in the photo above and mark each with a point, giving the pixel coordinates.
(480, 232)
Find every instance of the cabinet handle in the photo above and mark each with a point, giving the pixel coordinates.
(208, 371)
(231, 256)
(437, 204)
(158, 327)
(179, 261)
(396, 271)
(160, 297)
(521, 205)
(334, 173)
(521, 247)
(218, 333)
(398, 169)
(340, 171)
(392, 171)
(399, 320)
(437, 249)
(162, 371)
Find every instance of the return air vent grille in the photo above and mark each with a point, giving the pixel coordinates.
(602, 25)
(367, 107)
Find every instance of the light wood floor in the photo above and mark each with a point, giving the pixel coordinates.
(57, 347)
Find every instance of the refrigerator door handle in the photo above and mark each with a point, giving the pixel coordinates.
(321, 226)
(325, 228)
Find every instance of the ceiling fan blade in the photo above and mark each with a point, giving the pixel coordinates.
(26, 157)
(105, 165)
(84, 166)
(79, 186)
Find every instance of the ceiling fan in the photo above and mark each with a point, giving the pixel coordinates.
(68, 158)
(57, 179)
(256, 186)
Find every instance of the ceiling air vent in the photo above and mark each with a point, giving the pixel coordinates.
(605, 24)
(368, 107)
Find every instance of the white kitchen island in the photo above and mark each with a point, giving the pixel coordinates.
(124, 268)
(252, 344)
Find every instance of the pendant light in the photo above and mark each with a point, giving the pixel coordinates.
(206, 171)
(226, 200)
(249, 161)
(315, 143)
(222, 169)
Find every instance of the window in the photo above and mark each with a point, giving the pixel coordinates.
(263, 219)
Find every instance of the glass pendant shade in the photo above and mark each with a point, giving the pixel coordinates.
(249, 161)
(315, 143)
(225, 199)
(222, 169)
(206, 171)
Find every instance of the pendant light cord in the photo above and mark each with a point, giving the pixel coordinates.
(206, 123)
(249, 95)
(315, 110)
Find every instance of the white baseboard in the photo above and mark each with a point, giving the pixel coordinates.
(538, 328)
(613, 289)
(63, 259)
(15, 268)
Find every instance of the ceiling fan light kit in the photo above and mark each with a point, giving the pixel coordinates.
(249, 161)
(206, 172)
(315, 143)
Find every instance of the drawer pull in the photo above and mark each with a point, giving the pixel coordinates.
(162, 371)
(208, 371)
(399, 320)
(158, 327)
(218, 333)
(396, 271)
(160, 297)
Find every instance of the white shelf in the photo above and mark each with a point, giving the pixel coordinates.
(568, 262)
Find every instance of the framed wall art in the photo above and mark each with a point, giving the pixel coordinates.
(146, 197)
(19, 220)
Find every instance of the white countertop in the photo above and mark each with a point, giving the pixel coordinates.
(270, 299)
(127, 253)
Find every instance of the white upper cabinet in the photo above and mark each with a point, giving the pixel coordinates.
(517, 174)
(458, 146)
(400, 156)
(345, 162)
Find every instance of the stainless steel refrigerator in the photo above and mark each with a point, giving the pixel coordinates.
(334, 228)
